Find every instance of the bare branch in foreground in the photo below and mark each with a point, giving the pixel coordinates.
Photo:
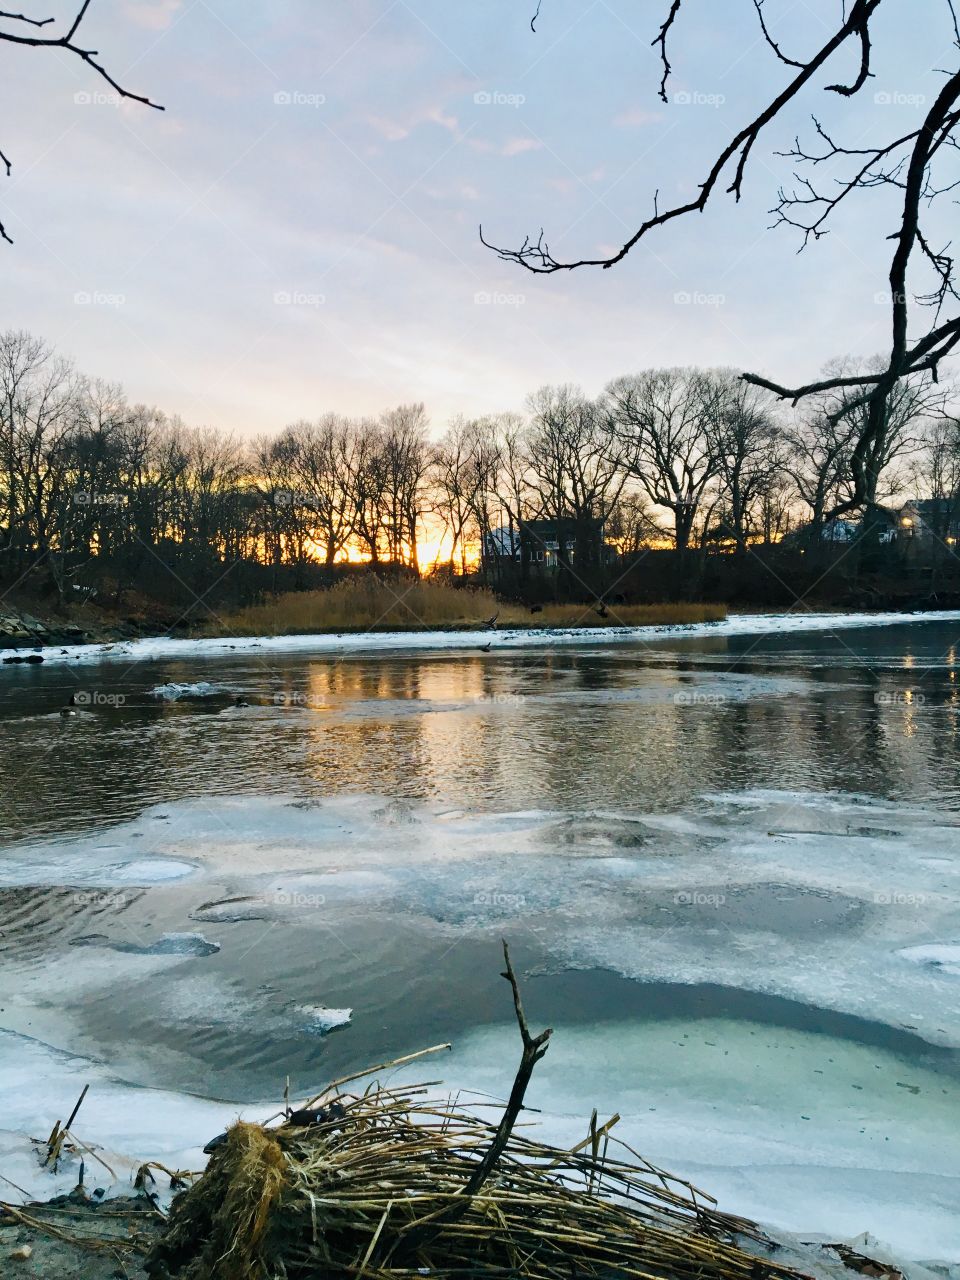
(67, 42)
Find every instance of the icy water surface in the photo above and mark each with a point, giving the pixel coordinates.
(729, 868)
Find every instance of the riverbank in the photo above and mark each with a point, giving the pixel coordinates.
(78, 1237)
(485, 639)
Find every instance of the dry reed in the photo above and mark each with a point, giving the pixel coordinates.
(388, 1183)
(373, 603)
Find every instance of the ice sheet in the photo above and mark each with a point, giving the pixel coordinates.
(125, 1124)
(831, 899)
(803, 1132)
(775, 1124)
(174, 691)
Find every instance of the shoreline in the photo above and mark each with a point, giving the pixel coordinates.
(166, 647)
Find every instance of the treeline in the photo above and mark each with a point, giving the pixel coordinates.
(92, 486)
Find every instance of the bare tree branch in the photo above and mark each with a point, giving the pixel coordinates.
(905, 164)
(536, 257)
(661, 40)
(534, 1047)
(20, 17)
(67, 42)
(790, 62)
(847, 91)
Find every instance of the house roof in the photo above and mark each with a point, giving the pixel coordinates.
(925, 507)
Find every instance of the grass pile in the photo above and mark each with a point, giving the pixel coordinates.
(388, 1183)
(369, 602)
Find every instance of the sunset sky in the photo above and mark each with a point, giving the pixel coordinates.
(297, 232)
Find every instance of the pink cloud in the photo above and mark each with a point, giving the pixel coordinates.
(516, 146)
(636, 118)
(155, 15)
(397, 130)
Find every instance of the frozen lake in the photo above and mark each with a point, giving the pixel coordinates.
(728, 866)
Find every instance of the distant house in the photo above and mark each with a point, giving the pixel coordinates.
(838, 530)
(926, 522)
(502, 543)
(545, 543)
(834, 531)
(881, 523)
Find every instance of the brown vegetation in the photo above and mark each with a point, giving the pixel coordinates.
(384, 1183)
(373, 603)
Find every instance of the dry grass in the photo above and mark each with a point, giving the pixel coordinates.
(379, 1193)
(367, 602)
(372, 603)
(619, 615)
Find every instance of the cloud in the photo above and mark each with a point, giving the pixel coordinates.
(392, 130)
(516, 146)
(397, 130)
(155, 15)
(636, 118)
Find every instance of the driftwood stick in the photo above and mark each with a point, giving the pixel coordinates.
(534, 1047)
(420, 1232)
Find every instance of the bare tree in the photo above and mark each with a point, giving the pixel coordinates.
(745, 447)
(321, 456)
(454, 476)
(406, 459)
(915, 166)
(577, 470)
(40, 412)
(665, 421)
(631, 526)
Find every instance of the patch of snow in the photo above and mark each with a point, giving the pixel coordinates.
(800, 1131)
(173, 691)
(943, 956)
(165, 647)
(323, 1019)
(125, 1124)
